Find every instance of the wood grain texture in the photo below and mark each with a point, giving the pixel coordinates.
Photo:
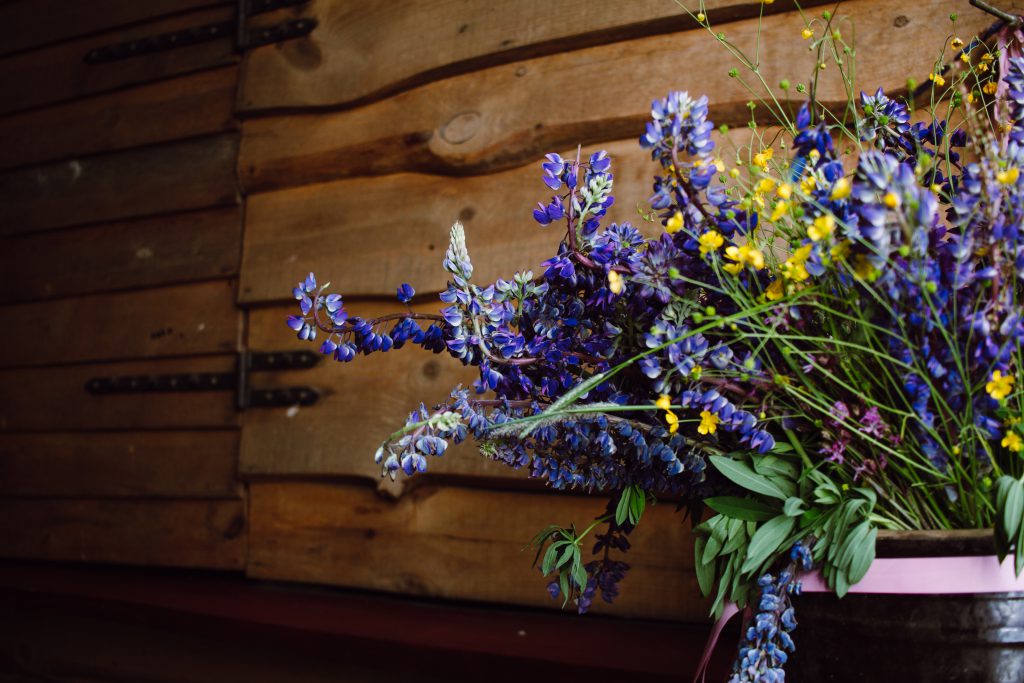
(190, 106)
(178, 176)
(54, 398)
(183, 247)
(171, 533)
(367, 49)
(368, 235)
(179, 464)
(508, 115)
(190, 319)
(361, 403)
(58, 73)
(34, 23)
(455, 543)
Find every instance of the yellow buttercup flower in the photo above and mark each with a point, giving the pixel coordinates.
(710, 241)
(672, 421)
(990, 88)
(937, 79)
(841, 190)
(823, 227)
(762, 158)
(807, 33)
(765, 185)
(840, 251)
(794, 268)
(615, 282)
(675, 223)
(708, 422)
(779, 211)
(774, 291)
(1000, 386)
(785, 191)
(743, 255)
(664, 402)
(808, 184)
(863, 268)
(1012, 442)
(1009, 176)
(956, 43)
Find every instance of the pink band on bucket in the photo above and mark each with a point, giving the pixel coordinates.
(904, 576)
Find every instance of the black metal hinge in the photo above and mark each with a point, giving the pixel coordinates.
(244, 37)
(238, 381)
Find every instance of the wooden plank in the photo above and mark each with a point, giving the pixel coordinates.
(179, 176)
(347, 230)
(507, 115)
(174, 109)
(35, 23)
(58, 73)
(172, 533)
(168, 321)
(55, 399)
(363, 50)
(169, 249)
(455, 543)
(361, 404)
(179, 464)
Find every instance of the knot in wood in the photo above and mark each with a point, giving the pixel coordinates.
(461, 127)
(901, 21)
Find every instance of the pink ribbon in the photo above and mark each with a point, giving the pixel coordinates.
(904, 576)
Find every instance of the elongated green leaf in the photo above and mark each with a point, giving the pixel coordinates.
(767, 541)
(737, 536)
(622, 509)
(636, 506)
(863, 556)
(549, 559)
(793, 507)
(711, 550)
(741, 474)
(566, 554)
(1018, 557)
(1013, 510)
(747, 509)
(705, 570)
(770, 464)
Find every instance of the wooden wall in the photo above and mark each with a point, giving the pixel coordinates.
(125, 188)
(120, 242)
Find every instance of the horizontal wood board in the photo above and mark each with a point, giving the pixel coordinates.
(505, 116)
(177, 176)
(456, 543)
(168, 249)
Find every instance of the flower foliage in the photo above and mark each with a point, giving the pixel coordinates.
(814, 350)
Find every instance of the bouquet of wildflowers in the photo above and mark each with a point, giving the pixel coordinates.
(812, 353)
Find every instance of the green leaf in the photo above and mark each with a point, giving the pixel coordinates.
(711, 550)
(622, 509)
(566, 554)
(1018, 557)
(705, 570)
(580, 576)
(851, 544)
(740, 473)
(549, 559)
(842, 585)
(636, 506)
(863, 556)
(767, 541)
(793, 507)
(781, 447)
(770, 464)
(747, 509)
(1013, 510)
(736, 535)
